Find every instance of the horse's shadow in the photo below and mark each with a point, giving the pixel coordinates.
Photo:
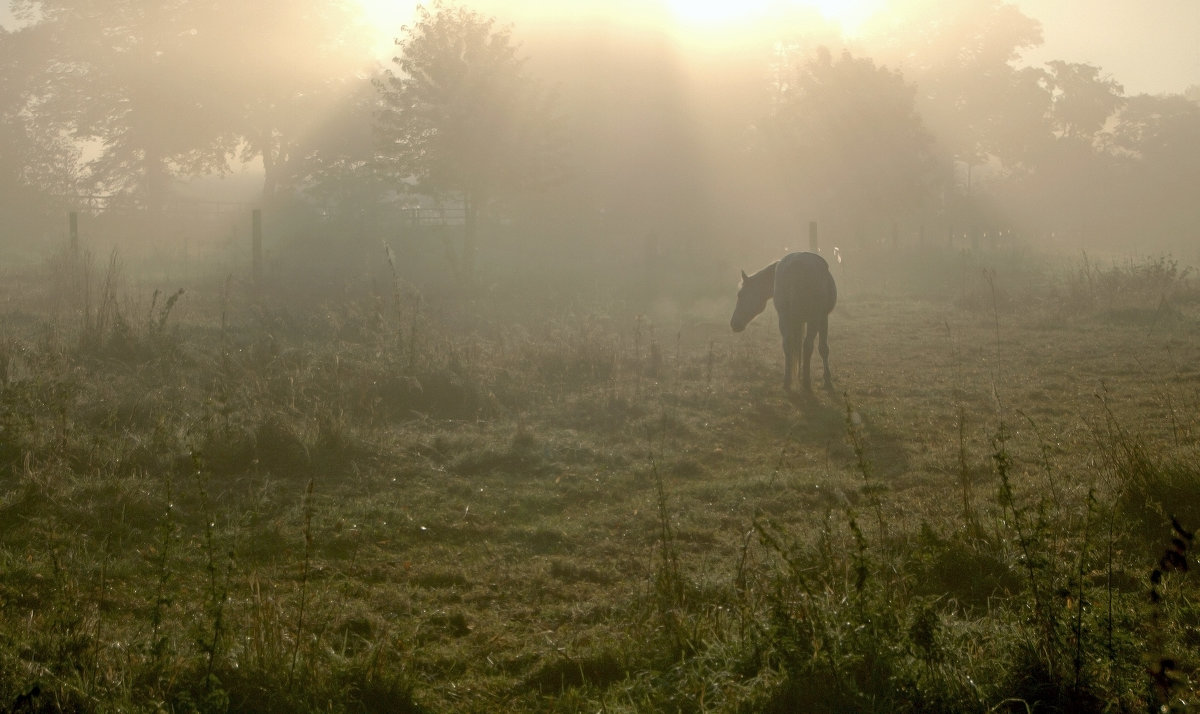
(817, 417)
(827, 420)
(806, 399)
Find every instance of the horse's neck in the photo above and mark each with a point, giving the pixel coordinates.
(767, 275)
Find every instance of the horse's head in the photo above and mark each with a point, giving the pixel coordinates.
(752, 299)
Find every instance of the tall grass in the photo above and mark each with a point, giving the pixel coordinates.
(562, 515)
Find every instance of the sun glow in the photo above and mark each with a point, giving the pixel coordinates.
(386, 18)
(703, 17)
(714, 12)
(848, 15)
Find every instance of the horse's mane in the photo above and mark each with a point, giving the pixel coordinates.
(768, 271)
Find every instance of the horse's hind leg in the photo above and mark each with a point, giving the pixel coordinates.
(809, 335)
(823, 334)
(790, 344)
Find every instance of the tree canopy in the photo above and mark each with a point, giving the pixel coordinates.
(127, 98)
(848, 138)
(461, 118)
(174, 89)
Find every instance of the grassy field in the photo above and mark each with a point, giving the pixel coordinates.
(541, 500)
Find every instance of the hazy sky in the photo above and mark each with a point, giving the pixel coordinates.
(1151, 46)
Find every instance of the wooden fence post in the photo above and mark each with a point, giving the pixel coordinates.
(74, 234)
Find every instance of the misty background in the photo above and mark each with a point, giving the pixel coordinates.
(625, 136)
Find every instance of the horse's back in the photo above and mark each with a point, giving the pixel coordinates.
(804, 287)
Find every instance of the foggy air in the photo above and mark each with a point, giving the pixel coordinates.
(364, 356)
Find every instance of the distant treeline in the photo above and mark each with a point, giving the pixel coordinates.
(610, 135)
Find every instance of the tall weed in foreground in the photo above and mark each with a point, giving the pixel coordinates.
(107, 326)
(1063, 654)
(1151, 486)
(304, 575)
(1168, 684)
(842, 626)
(850, 630)
(158, 648)
(870, 487)
(101, 318)
(845, 633)
(212, 639)
(671, 587)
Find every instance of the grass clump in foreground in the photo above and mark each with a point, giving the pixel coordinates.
(460, 507)
(842, 624)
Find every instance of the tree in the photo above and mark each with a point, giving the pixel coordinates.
(116, 73)
(38, 160)
(1159, 136)
(461, 117)
(306, 70)
(1083, 99)
(848, 137)
(172, 89)
(962, 55)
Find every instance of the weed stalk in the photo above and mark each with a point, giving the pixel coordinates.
(218, 588)
(970, 519)
(304, 573)
(1080, 572)
(771, 537)
(162, 601)
(1174, 560)
(871, 489)
(671, 591)
(1007, 501)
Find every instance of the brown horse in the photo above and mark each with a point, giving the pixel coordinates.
(804, 294)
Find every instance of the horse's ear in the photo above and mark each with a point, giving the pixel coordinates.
(744, 276)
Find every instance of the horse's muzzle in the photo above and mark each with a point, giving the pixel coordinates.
(736, 327)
